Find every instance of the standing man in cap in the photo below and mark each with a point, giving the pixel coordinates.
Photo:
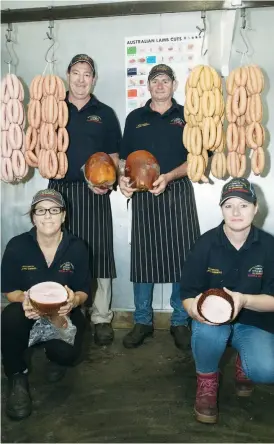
(237, 257)
(164, 220)
(92, 127)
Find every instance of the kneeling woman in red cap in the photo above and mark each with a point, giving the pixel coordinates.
(237, 259)
(47, 253)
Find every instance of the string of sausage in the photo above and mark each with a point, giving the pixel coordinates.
(13, 164)
(244, 113)
(47, 136)
(204, 115)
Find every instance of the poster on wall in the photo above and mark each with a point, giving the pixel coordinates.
(180, 51)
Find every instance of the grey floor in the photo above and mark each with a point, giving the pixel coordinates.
(141, 395)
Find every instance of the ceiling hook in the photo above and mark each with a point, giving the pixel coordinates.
(50, 33)
(243, 16)
(8, 35)
(50, 37)
(243, 30)
(9, 40)
(203, 30)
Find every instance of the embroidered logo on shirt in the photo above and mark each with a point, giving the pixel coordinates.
(178, 121)
(95, 119)
(256, 271)
(28, 268)
(214, 270)
(66, 267)
(142, 124)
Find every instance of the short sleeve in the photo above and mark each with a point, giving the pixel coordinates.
(125, 148)
(10, 269)
(194, 276)
(268, 276)
(81, 280)
(113, 135)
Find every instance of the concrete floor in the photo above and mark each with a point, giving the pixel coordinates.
(141, 395)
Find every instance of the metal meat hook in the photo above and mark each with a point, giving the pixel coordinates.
(50, 37)
(203, 30)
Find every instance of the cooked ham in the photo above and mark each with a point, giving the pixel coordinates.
(216, 306)
(216, 309)
(48, 293)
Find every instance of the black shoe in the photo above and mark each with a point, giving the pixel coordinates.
(19, 404)
(181, 335)
(137, 335)
(104, 334)
(55, 372)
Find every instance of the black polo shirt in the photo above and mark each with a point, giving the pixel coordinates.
(24, 265)
(215, 263)
(91, 129)
(160, 134)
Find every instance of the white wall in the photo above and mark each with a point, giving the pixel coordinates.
(103, 39)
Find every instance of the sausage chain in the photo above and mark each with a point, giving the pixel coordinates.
(47, 136)
(13, 118)
(204, 115)
(244, 113)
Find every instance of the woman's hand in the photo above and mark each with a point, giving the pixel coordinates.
(30, 313)
(125, 188)
(193, 311)
(239, 300)
(71, 303)
(159, 185)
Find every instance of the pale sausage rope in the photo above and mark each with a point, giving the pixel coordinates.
(13, 164)
(204, 116)
(244, 113)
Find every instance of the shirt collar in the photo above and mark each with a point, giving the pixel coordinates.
(61, 247)
(252, 237)
(93, 101)
(65, 239)
(147, 108)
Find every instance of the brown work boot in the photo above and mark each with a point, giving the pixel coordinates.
(244, 386)
(206, 409)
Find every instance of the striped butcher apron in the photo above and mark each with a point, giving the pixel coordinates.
(164, 229)
(89, 217)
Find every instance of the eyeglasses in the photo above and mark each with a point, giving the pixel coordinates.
(43, 211)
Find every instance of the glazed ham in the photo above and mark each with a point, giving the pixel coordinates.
(216, 306)
(143, 169)
(100, 170)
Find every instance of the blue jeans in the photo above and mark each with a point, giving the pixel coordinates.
(143, 295)
(255, 346)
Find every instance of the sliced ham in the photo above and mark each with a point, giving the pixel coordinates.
(216, 306)
(47, 297)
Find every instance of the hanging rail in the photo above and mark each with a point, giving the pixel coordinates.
(123, 9)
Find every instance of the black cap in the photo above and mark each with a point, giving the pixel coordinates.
(238, 187)
(49, 194)
(161, 69)
(82, 58)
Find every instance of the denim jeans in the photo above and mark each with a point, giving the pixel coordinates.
(255, 346)
(143, 295)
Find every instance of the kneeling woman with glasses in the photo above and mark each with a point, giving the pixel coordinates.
(46, 253)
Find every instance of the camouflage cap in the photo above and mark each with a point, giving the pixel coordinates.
(161, 69)
(49, 194)
(82, 58)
